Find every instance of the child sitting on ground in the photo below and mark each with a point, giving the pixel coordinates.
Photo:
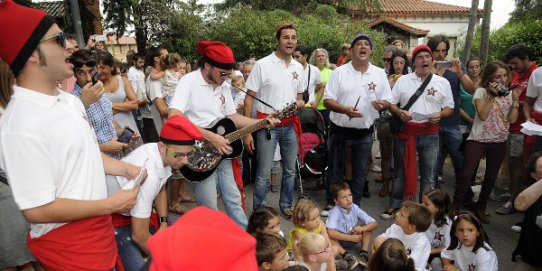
(271, 252)
(342, 222)
(438, 202)
(315, 251)
(409, 227)
(469, 248)
(264, 220)
(306, 219)
(391, 256)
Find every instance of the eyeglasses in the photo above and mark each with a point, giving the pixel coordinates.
(59, 37)
(222, 73)
(386, 59)
(80, 64)
(176, 155)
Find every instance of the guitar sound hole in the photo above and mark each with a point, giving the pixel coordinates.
(221, 130)
(204, 158)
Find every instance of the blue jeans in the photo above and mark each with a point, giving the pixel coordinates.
(128, 249)
(427, 148)
(287, 139)
(361, 153)
(223, 180)
(451, 138)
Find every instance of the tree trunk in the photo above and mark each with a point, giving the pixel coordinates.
(140, 35)
(484, 40)
(473, 19)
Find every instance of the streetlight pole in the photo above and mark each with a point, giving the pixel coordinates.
(76, 16)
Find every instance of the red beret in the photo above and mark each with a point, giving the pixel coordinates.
(178, 130)
(420, 48)
(22, 30)
(217, 54)
(203, 239)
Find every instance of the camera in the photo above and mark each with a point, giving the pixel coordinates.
(95, 78)
(539, 221)
(444, 64)
(100, 38)
(502, 91)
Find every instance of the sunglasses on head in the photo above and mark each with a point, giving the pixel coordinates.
(80, 64)
(59, 37)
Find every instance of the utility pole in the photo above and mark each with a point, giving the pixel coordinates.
(76, 16)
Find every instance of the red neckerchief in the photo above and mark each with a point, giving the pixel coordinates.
(408, 134)
(287, 121)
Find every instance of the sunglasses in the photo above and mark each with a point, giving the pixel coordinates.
(80, 64)
(221, 73)
(386, 59)
(177, 155)
(59, 37)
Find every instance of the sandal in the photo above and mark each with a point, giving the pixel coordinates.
(187, 199)
(177, 208)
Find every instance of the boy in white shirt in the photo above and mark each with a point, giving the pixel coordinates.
(410, 224)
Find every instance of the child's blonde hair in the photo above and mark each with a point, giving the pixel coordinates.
(311, 243)
(302, 211)
(172, 59)
(237, 78)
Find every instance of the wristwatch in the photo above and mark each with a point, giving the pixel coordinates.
(164, 219)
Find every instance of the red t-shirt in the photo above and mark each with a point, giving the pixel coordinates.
(521, 80)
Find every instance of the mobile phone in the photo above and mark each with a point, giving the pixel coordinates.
(95, 78)
(126, 135)
(444, 64)
(133, 183)
(99, 37)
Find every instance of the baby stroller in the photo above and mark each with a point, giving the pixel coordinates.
(313, 162)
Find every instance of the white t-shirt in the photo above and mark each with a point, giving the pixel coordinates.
(416, 244)
(437, 95)
(315, 78)
(484, 259)
(199, 102)
(276, 83)
(49, 150)
(534, 88)
(439, 236)
(137, 79)
(148, 157)
(346, 85)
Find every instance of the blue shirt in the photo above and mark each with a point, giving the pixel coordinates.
(454, 119)
(343, 220)
(100, 116)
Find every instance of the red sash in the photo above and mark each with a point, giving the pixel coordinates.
(238, 176)
(412, 129)
(287, 121)
(87, 244)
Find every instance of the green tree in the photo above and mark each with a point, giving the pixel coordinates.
(526, 10)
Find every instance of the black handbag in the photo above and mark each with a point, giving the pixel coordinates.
(396, 124)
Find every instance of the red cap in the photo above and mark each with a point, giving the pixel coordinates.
(178, 130)
(420, 48)
(217, 54)
(203, 239)
(22, 30)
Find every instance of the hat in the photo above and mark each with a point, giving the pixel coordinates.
(22, 30)
(217, 54)
(420, 48)
(203, 239)
(362, 36)
(178, 130)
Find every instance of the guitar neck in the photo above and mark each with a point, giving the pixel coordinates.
(246, 130)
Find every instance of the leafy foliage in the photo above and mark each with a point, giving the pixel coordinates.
(252, 32)
(526, 10)
(525, 32)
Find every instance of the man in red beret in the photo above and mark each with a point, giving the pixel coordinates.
(50, 153)
(277, 80)
(420, 132)
(177, 139)
(203, 97)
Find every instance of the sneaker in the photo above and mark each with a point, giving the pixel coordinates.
(363, 257)
(274, 188)
(388, 214)
(287, 213)
(351, 260)
(325, 211)
(500, 198)
(340, 263)
(517, 227)
(506, 208)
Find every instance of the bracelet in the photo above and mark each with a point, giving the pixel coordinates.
(164, 219)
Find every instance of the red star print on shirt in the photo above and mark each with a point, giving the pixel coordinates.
(431, 92)
(438, 236)
(372, 86)
(295, 75)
